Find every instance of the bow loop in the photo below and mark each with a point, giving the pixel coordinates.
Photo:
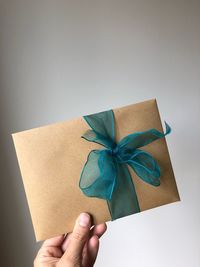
(146, 167)
(98, 177)
(93, 136)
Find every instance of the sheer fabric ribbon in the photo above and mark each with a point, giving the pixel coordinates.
(105, 174)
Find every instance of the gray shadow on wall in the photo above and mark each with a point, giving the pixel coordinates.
(18, 245)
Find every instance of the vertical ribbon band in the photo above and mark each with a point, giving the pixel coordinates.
(105, 173)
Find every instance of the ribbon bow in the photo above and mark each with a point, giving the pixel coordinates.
(105, 174)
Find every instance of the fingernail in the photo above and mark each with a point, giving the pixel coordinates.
(84, 219)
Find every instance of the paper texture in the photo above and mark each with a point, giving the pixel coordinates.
(51, 158)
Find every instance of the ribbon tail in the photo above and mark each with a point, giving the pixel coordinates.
(140, 139)
(124, 198)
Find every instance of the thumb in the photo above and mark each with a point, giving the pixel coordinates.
(79, 236)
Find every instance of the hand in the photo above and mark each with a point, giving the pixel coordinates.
(77, 249)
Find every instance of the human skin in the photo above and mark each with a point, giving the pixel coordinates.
(76, 249)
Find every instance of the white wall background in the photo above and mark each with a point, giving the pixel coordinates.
(63, 59)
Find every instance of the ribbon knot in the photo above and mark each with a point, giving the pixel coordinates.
(106, 175)
(114, 151)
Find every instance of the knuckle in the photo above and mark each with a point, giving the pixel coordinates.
(79, 236)
(74, 259)
(70, 259)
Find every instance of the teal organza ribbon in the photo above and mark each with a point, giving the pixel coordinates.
(105, 174)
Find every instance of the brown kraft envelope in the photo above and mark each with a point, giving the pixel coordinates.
(51, 159)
